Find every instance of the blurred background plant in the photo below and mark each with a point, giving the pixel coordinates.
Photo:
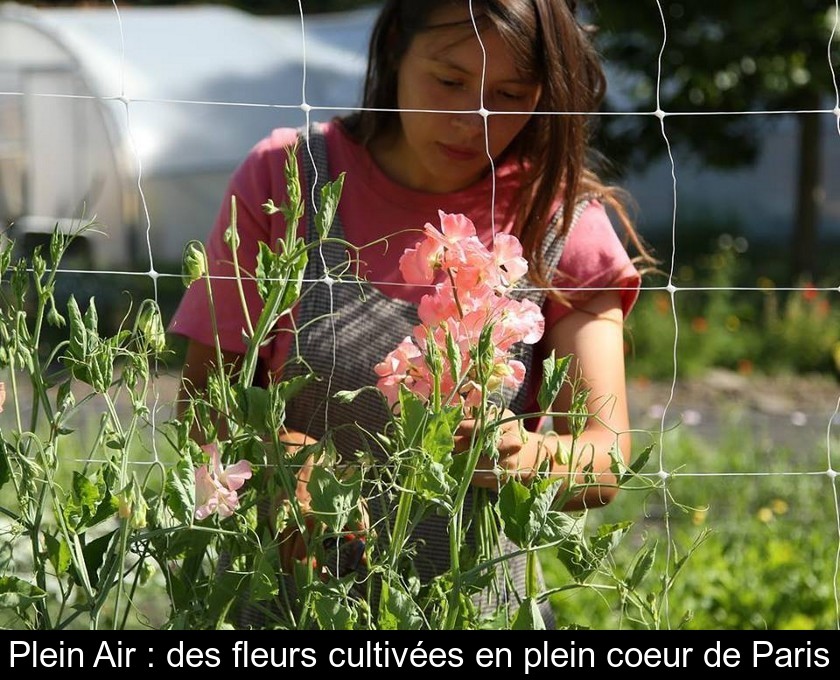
(727, 316)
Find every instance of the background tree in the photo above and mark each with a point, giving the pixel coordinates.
(725, 56)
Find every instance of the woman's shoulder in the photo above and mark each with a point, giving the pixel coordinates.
(593, 253)
(275, 143)
(263, 167)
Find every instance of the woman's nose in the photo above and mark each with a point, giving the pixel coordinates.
(468, 122)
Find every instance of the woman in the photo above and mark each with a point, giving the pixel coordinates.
(463, 113)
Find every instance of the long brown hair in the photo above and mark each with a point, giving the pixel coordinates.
(552, 48)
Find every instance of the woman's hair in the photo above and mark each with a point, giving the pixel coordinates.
(553, 49)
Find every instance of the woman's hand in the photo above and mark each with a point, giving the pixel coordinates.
(295, 544)
(520, 453)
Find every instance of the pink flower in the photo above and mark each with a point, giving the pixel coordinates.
(2, 395)
(215, 487)
(435, 308)
(507, 253)
(454, 230)
(471, 290)
(518, 321)
(419, 264)
(403, 365)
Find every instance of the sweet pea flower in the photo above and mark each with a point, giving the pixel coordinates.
(420, 264)
(403, 365)
(507, 255)
(471, 292)
(518, 321)
(455, 231)
(2, 395)
(216, 487)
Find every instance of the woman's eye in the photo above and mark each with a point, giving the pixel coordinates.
(449, 83)
(513, 96)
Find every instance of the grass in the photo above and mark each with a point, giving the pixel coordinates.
(767, 539)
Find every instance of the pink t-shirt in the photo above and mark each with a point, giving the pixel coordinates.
(385, 218)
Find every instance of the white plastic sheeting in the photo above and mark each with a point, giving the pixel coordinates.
(177, 93)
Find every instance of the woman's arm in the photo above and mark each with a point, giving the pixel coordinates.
(594, 335)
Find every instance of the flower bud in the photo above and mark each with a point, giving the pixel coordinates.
(151, 327)
(194, 264)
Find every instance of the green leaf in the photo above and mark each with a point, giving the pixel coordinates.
(16, 593)
(333, 500)
(85, 493)
(333, 613)
(94, 555)
(637, 465)
(583, 560)
(77, 340)
(434, 484)
(225, 590)
(439, 433)
(554, 373)
(526, 510)
(266, 269)
(180, 490)
(349, 396)
(254, 404)
(528, 616)
(397, 610)
(543, 492)
(413, 417)
(5, 468)
(332, 604)
(643, 565)
(562, 527)
(514, 510)
(330, 196)
(92, 319)
(264, 585)
(608, 537)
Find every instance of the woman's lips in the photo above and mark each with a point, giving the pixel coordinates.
(458, 153)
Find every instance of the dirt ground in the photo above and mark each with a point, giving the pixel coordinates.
(783, 409)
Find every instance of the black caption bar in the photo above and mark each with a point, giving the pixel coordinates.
(386, 653)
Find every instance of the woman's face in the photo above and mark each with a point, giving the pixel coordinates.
(443, 70)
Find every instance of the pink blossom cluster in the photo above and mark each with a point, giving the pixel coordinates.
(471, 291)
(216, 487)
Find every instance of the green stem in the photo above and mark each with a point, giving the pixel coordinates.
(234, 249)
(220, 367)
(531, 584)
(13, 381)
(455, 294)
(125, 530)
(399, 534)
(35, 534)
(134, 585)
(125, 438)
(456, 519)
(10, 514)
(454, 608)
